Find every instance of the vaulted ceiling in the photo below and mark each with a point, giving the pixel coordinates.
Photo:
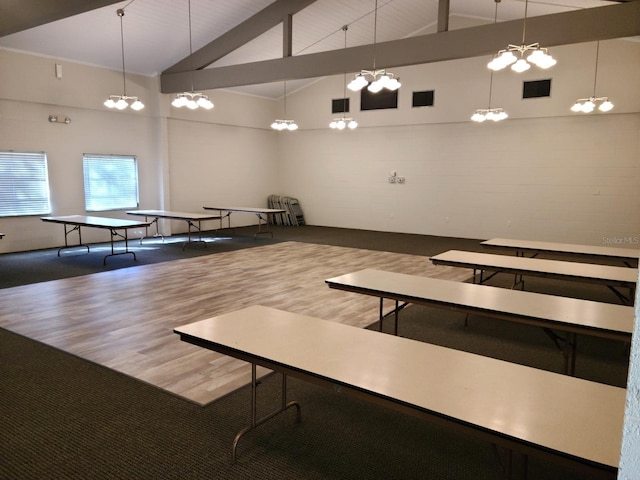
(252, 45)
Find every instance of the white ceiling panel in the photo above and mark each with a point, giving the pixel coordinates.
(156, 32)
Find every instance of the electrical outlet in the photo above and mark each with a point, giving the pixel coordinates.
(400, 180)
(392, 179)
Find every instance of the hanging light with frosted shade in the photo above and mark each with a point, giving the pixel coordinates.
(588, 105)
(344, 122)
(380, 79)
(192, 100)
(281, 124)
(121, 102)
(493, 114)
(538, 56)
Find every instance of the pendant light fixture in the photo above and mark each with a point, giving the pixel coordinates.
(495, 114)
(538, 56)
(279, 124)
(342, 122)
(379, 78)
(121, 102)
(191, 99)
(588, 105)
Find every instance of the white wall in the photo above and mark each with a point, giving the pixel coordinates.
(546, 173)
(546, 179)
(218, 165)
(184, 158)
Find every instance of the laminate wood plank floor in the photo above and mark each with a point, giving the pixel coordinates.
(124, 319)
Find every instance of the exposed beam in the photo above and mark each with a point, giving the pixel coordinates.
(287, 36)
(251, 28)
(18, 15)
(601, 23)
(443, 15)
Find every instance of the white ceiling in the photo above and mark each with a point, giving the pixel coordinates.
(156, 32)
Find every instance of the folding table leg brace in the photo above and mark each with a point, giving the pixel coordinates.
(255, 422)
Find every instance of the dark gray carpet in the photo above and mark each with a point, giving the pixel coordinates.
(64, 418)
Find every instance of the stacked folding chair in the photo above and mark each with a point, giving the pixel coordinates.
(273, 201)
(296, 217)
(293, 216)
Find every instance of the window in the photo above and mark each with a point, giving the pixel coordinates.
(536, 88)
(340, 105)
(24, 184)
(423, 99)
(378, 101)
(110, 182)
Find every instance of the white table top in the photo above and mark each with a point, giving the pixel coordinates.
(594, 250)
(174, 215)
(98, 222)
(563, 312)
(539, 266)
(564, 414)
(247, 209)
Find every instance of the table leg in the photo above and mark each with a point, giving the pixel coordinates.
(262, 219)
(114, 233)
(395, 312)
(146, 230)
(66, 235)
(568, 346)
(198, 228)
(255, 422)
(507, 463)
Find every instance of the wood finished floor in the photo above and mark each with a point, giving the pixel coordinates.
(124, 319)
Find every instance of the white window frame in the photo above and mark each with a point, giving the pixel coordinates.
(110, 182)
(24, 184)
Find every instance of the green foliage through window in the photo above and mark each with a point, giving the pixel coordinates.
(110, 182)
(24, 184)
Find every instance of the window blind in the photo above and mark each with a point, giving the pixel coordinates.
(24, 184)
(110, 182)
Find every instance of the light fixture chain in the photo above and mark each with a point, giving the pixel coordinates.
(124, 80)
(595, 75)
(344, 90)
(495, 20)
(375, 34)
(524, 23)
(490, 87)
(190, 49)
(285, 99)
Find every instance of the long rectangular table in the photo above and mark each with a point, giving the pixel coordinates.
(627, 256)
(569, 315)
(263, 215)
(611, 277)
(519, 408)
(73, 223)
(194, 220)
